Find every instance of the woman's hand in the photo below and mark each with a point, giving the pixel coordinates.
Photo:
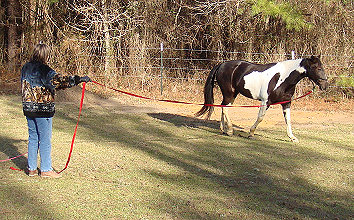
(85, 79)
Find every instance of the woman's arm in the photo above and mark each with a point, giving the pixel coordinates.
(58, 81)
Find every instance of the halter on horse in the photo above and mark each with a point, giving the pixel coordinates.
(269, 83)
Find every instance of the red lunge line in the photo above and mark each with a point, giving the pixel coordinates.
(142, 97)
(77, 124)
(13, 168)
(190, 103)
(13, 157)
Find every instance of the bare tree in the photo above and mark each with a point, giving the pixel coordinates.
(13, 11)
(103, 23)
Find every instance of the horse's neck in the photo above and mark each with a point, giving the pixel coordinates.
(291, 71)
(296, 76)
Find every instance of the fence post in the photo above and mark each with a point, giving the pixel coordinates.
(293, 55)
(161, 76)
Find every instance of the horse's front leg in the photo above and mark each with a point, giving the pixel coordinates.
(261, 113)
(286, 112)
(225, 123)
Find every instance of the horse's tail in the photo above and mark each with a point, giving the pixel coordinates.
(208, 94)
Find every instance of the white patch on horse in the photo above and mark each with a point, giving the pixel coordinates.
(288, 67)
(257, 82)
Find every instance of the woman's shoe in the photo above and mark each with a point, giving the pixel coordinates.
(50, 174)
(32, 173)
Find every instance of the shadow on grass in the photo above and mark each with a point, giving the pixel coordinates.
(14, 199)
(9, 147)
(275, 197)
(179, 121)
(18, 200)
(211, 126)
(244, 166)
(246, 170)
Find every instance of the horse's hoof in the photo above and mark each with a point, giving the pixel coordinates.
(294, 139)
(228, 133)
(251, 136)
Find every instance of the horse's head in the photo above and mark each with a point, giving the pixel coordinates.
(315, 72)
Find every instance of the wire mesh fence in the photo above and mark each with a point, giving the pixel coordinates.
(162, 64)
(154, 68)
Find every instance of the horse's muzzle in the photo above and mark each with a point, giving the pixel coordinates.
(323, 84)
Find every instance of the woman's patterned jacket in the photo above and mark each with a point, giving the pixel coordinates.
(39, 83)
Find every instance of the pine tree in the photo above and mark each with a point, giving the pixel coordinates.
(287, 12)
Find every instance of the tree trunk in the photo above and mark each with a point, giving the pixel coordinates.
(13, 37)
(33, 4)
(107, 38)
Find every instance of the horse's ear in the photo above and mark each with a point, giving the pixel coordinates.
(315, 59)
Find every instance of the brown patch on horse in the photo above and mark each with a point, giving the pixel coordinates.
(272, 83)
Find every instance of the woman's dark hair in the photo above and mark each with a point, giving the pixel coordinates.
(40, 53)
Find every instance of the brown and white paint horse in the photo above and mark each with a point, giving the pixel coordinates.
(270, 83)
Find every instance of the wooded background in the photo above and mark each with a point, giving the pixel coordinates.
(109, 39)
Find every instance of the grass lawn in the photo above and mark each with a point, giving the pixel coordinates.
(168, 166)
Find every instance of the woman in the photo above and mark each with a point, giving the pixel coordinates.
(39, 83)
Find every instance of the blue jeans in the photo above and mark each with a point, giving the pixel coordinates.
(39, 137)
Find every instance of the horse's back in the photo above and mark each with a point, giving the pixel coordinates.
(231, 77)
(242, 67)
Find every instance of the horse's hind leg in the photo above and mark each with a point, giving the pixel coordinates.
(261, 113)
(225, 123)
